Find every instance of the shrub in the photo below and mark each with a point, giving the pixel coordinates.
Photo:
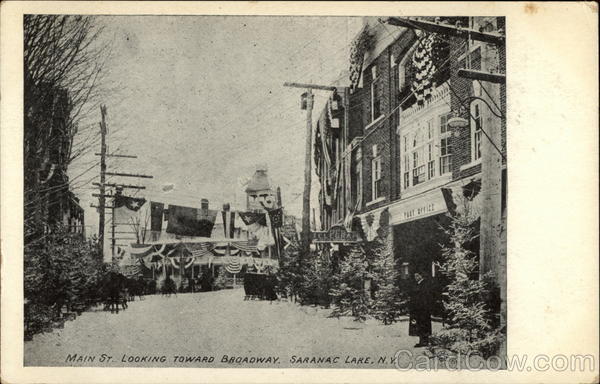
(62, 269)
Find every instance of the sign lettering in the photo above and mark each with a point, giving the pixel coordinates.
(336, 234)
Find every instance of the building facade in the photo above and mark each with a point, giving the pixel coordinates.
(414, 135)
(48, 142)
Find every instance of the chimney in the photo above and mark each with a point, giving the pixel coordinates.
(204, 204)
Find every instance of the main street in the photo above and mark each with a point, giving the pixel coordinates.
(191, 330)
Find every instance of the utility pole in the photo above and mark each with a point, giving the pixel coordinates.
(102, 199)
(307, 159)
(118, 192)
(307, 172)
(102, 206)
(492, 227)
(493, 250)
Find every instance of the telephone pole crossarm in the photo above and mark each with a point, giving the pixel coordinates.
(114, 185)
(497, 78)
(117, 155)
(447, 29)
(128, 175)
(310, 86)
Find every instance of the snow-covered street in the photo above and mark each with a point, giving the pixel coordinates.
(219, 329)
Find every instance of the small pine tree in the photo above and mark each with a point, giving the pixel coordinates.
(471, 321)
(288, 276)
(348, 293)
(389, 302)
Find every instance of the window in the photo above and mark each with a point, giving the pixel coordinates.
(430, 155)
(430, 162)
(476, 129)
(358, 175)
(444, 128)
(375, 95)
(427, 151)
(474, 59)
(430, 130)
(376, 174)
(418, 175)
(401, 77)
(406, 171)
(418, 167)
(445, 156)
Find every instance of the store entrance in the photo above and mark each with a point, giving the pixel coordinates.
(418, 248)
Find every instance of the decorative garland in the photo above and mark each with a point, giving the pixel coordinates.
(233, 265)
(189, 262)
(361, 44)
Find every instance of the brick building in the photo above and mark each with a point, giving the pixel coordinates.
(47, 150)
(395, 150)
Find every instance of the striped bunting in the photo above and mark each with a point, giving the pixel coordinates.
(233, 264)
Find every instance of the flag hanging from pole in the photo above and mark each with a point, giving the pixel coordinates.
(423, 61)
(276, 219)
(127, 209)
(131, 203)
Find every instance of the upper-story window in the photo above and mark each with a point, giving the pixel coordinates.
(430, 150)
(376, 174)
(476, 126)
(375, 94)
(445, 145)
(401, 76)
(418, 157)
(445, 156)
(358, 176)
(427, 151)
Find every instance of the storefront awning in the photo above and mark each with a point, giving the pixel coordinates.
(418, 207)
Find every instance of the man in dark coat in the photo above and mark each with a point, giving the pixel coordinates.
(421, 304)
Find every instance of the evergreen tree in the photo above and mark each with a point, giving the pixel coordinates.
(472, 321)
(288, 274)
(63, 269)
(389, 302)
(348, 293)
(316, 279)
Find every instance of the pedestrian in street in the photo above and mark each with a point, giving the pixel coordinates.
(169, 287)
(420, 310)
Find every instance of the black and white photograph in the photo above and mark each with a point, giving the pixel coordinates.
(267, 191)
(191, 181)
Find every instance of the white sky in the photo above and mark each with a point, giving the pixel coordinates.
(200, 100)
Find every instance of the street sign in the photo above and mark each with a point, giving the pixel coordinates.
(335, 234)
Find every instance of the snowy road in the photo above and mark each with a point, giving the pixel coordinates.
(219, 329)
